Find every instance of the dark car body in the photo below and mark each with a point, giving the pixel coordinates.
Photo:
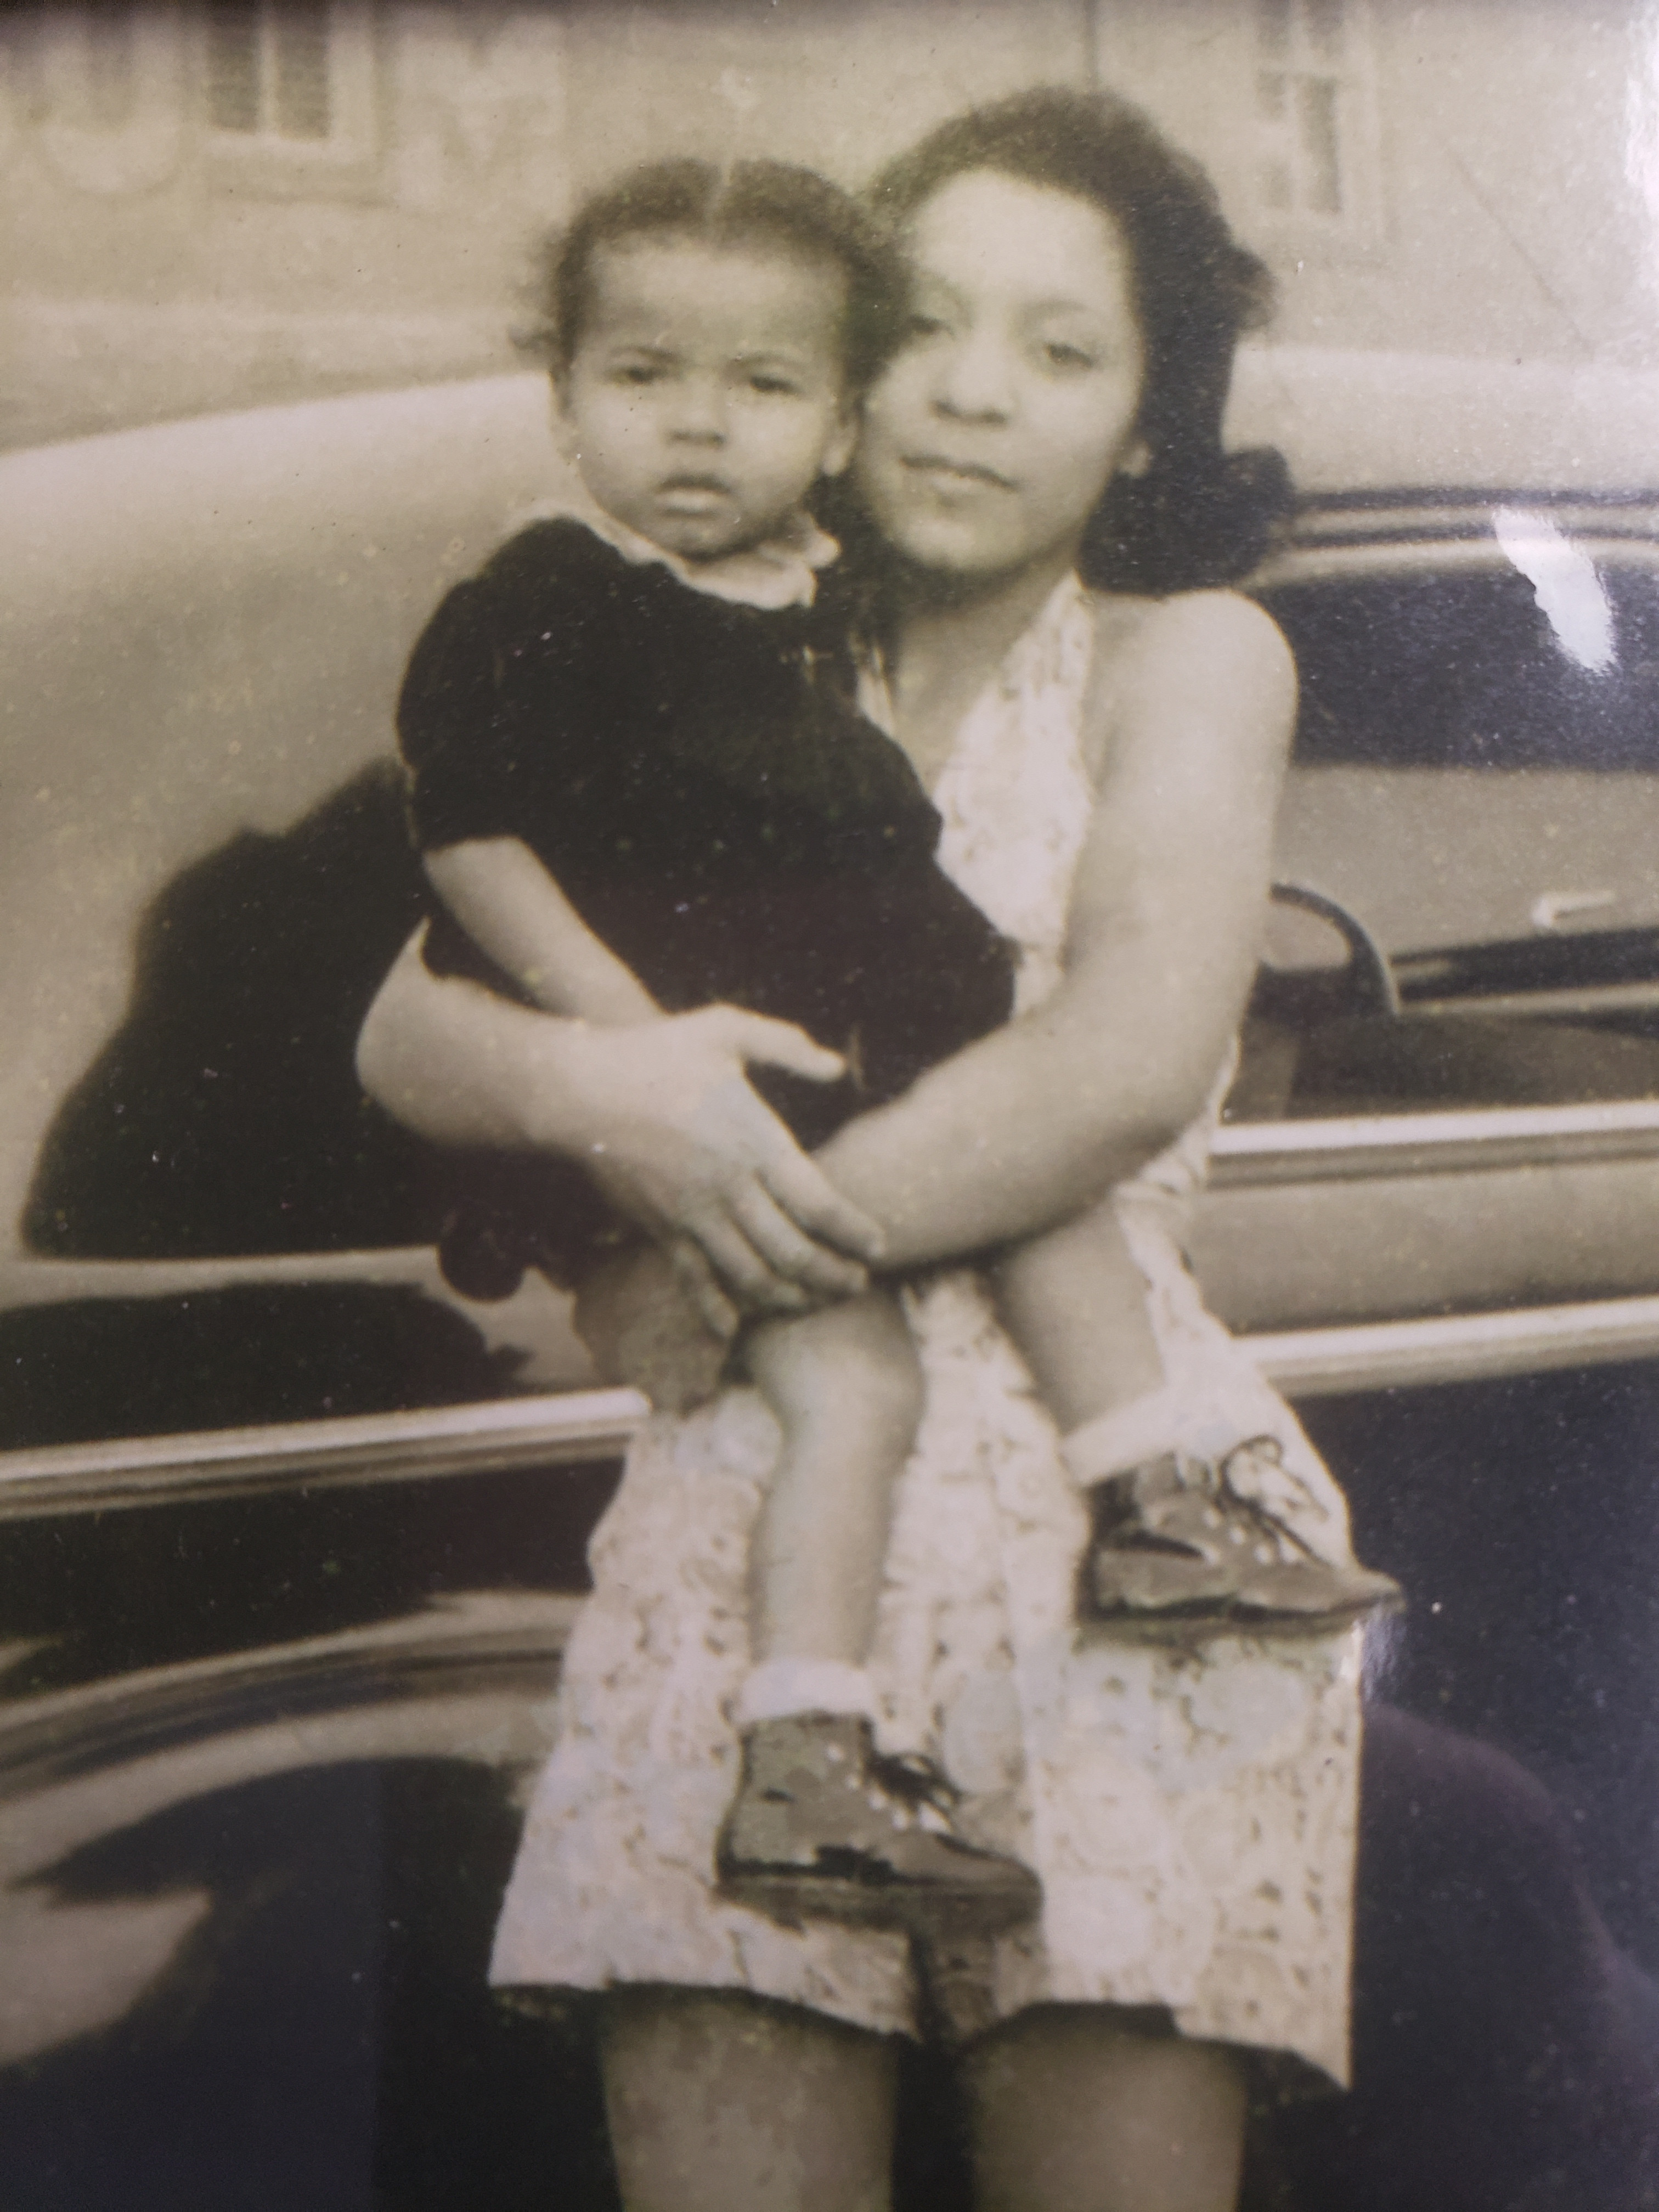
(274, 1501)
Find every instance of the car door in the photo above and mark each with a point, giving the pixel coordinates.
(1475, 791)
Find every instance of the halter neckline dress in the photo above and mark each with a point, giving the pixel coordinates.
(1191, 1816)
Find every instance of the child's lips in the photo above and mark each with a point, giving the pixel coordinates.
(695, 495)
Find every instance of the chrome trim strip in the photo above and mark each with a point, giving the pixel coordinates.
(582, 1426)
(1444, 498)
(1403, 1355)
(475, 1645)
(1338, 556)
(575, 1426)
(1320, 527)
(27, 1280)
(1537, 1005)
(1363, 1146)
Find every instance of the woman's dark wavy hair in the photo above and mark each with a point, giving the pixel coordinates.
(750, 204)
(1197, 516)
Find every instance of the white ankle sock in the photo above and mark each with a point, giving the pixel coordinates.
(778, 1688)
(1159, 1421)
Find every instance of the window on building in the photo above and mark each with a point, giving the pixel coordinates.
(111, 32)
(1312, 94)
(289, 88)
(108, 77)
(268, 70)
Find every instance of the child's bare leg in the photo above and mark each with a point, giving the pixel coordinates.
(823, 1824)
(847, 1390)
(1188, 1538)
(1075, 1304)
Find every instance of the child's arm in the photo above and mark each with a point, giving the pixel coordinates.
(513, 911)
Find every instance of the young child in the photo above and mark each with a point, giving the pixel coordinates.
(641, 785)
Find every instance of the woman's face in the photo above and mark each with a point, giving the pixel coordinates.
(990, 436)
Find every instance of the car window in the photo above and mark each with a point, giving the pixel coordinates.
(1475, 785)
(1484, 670)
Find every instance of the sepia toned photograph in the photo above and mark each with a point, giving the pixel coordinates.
(830, 1114)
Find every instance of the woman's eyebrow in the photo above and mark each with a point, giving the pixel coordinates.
(1062, 305)
(751, 357)
(926, 281)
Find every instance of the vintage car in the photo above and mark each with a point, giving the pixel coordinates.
(281, 1512)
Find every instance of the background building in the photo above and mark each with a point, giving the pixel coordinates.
(223, 201)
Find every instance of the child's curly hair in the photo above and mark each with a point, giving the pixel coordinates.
(772, 205)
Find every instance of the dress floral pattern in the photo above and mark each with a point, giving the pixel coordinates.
(1191, 1815)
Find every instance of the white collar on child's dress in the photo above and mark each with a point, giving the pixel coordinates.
(780, 572)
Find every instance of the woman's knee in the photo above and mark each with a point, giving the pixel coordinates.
(1075, 2105)
(719, 2101)
(1480, 1953)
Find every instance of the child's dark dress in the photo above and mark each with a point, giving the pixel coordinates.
(695, 776)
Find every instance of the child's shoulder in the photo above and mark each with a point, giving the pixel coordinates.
(556, 567)
(549, 551)
(548, 596)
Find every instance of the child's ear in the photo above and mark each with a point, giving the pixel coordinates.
(839, 451)
(1137, 459)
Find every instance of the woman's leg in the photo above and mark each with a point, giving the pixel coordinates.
(1073, 2111)
(1505, 2053)
(721, 2102)
(640, 1326)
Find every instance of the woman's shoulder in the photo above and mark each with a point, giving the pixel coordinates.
(1219, 624)
(1212, 653)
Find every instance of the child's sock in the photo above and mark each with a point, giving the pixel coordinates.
(1159, 1421)
(779, 1688)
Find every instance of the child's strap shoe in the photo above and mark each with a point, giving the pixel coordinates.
(824, 1826)
(1181, 1552)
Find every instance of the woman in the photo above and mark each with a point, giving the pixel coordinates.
(1107, 768)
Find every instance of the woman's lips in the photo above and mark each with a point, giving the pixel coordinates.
(947, 474)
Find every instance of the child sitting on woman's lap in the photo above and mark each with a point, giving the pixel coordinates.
(642, 784)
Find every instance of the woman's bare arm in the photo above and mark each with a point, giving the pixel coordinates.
(659, 1112)
(1016, 1132)
(1023, 1128)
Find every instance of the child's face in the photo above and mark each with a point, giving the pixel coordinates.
(706, 395)
(992, 432)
